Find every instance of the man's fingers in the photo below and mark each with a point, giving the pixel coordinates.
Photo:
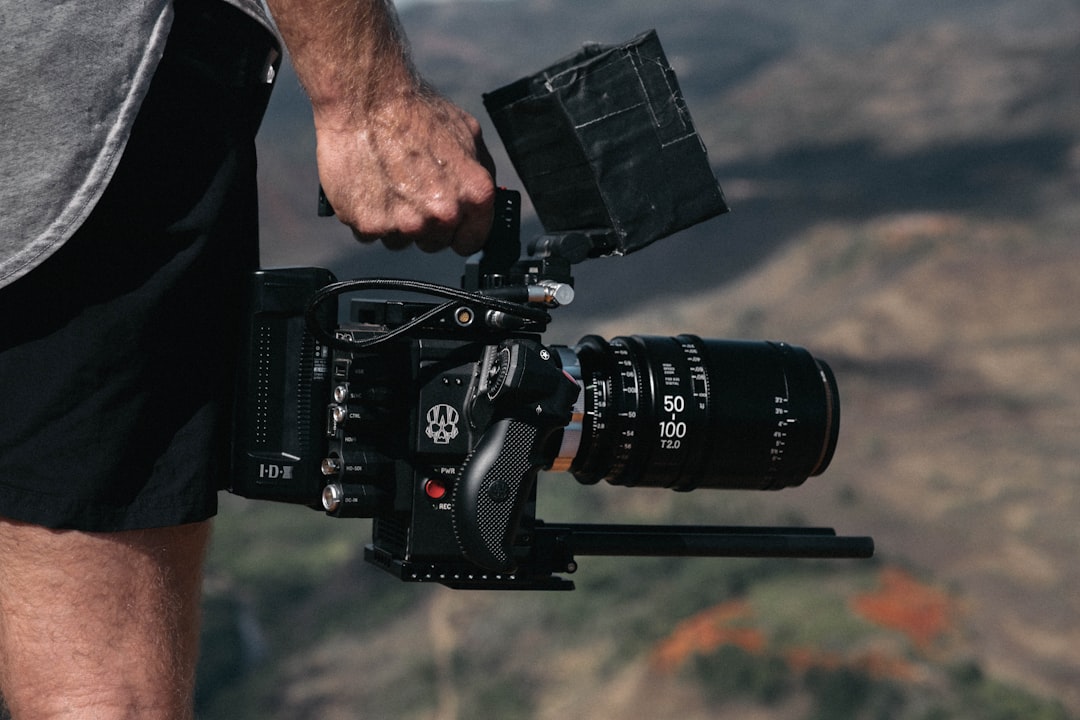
(464, 227)
(477, 207)
(395, 241)
(473, 231)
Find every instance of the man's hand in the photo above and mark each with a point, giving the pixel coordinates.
(413, 170)
(397, 161)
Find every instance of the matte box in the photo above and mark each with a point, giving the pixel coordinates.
(603, 143)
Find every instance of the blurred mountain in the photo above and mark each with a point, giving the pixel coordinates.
(905, 183)
(842, 110)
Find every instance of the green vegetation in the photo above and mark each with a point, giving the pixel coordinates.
(846, 694)
(733, 673)
(979, 696)
(289, 601)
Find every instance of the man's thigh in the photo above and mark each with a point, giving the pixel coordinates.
(103, 624)
(116, 352)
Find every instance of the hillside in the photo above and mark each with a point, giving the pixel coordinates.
(906, 187)
(955, 343)
(807, 116)
(956, 455)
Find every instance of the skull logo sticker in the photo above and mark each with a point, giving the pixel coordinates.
(442, 424)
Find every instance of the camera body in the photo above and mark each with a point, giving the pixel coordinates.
(437, 435)
(438, 438)
(434, 419)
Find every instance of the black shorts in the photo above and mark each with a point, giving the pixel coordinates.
(117, 353)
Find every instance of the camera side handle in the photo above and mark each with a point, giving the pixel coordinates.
(494, 486)
(532, 397)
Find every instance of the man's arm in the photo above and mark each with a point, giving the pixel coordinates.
(397, 161)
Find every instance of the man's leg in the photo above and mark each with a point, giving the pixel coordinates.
(68, 649)
(116, 377)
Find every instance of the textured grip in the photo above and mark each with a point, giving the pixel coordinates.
(495, 484)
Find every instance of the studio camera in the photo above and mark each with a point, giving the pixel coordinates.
(434, 414)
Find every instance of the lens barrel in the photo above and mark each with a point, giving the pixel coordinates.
(684, 413)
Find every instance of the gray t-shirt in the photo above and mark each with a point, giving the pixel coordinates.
(72, 78)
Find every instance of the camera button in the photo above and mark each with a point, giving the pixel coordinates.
(435, 488)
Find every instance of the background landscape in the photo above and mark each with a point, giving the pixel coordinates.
(905, 183)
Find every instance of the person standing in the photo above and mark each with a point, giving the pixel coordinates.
(127, 223)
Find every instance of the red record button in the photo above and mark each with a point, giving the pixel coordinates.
(435, 488)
